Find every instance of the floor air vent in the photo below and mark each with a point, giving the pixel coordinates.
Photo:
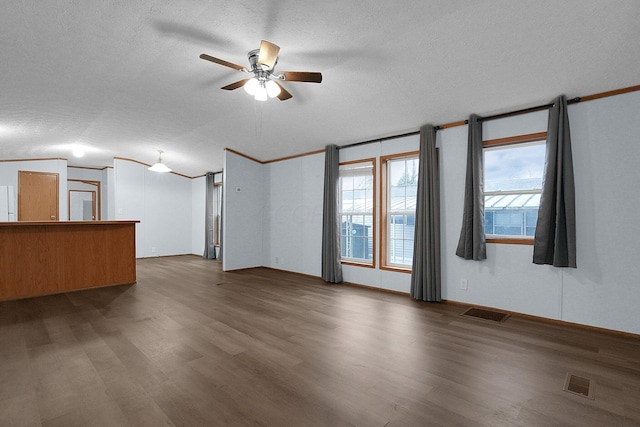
(579, 385)
(479, 313)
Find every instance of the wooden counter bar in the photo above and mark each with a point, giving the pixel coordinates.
(40, 258)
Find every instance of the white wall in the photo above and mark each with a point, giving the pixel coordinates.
(74, 172)
(292, 236)
(108, 178)
(292, 224)
(293, 220)
(9, 176)
(276, 218)
(507, 279)
(603, 290)
(162, 203)
(244, 185)
(198, 193)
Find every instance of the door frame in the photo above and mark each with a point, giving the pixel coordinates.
(94, 205)
(98, 196)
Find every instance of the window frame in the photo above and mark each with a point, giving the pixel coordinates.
(384, 208)
(357, 261)
(502, 142)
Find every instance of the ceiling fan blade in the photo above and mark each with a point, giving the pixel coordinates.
(302, 76)
(284, 94)
(268, 54)
(235, 85)
(222, 62)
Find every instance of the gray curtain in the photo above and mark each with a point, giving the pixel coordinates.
(221, 235)
(209, 244)
(331, 250)
(555, 239)
(425, 272)
(472, 243)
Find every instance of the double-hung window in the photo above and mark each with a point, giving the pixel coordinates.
(513, 171)
(357, 205)
(399, 190)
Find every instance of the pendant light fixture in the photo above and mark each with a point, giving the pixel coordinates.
(160, 167)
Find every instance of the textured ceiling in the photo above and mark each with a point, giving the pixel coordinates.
(123, 78)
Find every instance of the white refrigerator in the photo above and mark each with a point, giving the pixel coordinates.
(7, 203)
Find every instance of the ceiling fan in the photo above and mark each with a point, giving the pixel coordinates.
(265, 81)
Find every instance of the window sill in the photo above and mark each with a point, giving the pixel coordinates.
(511, 240)
(357, 264)
(396, 269)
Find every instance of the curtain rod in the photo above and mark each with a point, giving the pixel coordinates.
(371, 141)
(482, 119)
(525, 111)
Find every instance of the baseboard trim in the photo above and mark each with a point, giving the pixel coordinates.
(547, 320)
(167, 256)
(386, 291)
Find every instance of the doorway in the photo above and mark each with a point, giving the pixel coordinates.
(82, 205)
(84, 196)
(38, 196)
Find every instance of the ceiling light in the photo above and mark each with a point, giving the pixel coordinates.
(261, 92)
(251, 86)
(159, 167)
(5, 130)
(273, 89)
(78, 152)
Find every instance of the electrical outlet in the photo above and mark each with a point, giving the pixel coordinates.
(153, 249)
(277, 260)
(464, 285)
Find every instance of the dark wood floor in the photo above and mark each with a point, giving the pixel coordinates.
(190, 345)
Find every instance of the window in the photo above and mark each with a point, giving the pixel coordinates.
(513, 170)
(399, 189)
(357, 204)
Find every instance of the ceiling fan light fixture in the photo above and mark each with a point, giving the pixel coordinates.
(261, 93)
(273, 89)
(251, 86)
(159, 167)
(265, 82)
